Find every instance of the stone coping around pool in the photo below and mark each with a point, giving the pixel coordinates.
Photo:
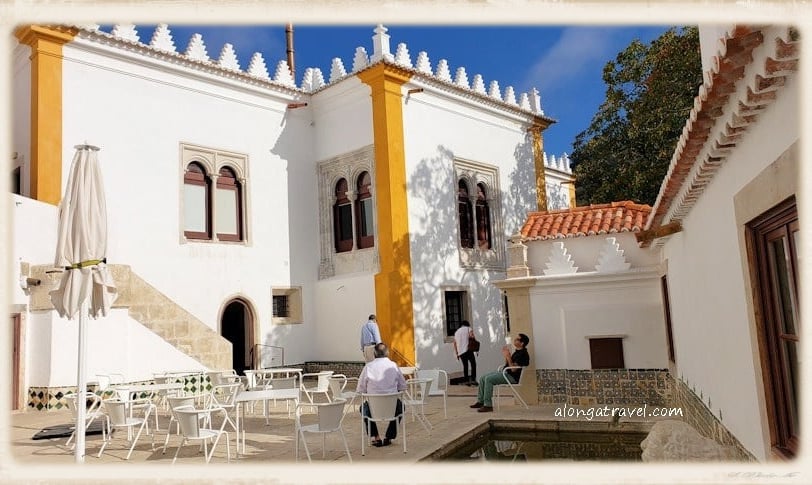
(525, 425)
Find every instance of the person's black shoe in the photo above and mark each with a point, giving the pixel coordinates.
(476, 405)
(386, 442)
(378, 443)
(474, 383)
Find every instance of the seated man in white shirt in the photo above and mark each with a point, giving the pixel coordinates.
(381, 376)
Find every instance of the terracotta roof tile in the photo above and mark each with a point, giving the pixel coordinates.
(626, 216)
(700, 151)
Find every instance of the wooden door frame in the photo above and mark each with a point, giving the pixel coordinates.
(756, 229)
(18, 391)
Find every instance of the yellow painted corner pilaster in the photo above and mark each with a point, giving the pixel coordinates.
(393, 284)
(538, 161)
(572, 194)
(46, 107)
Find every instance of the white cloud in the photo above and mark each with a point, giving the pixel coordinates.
(577, 50)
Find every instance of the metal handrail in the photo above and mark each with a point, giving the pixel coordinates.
(256, 354)
(401, 359)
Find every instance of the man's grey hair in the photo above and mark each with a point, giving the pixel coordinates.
(381, 350)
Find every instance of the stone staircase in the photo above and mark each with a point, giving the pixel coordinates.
(151, 308)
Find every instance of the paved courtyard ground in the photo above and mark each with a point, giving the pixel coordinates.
(269, 448)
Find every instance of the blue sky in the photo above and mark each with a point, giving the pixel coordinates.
(563, 62)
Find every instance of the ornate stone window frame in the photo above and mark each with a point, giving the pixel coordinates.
(474, 173)
(349, 166)
(212, 160)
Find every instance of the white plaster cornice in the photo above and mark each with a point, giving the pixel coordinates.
(141, 54)
(585, 281)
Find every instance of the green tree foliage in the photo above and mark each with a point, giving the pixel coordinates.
(625, 152)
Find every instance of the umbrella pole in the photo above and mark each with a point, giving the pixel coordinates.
(81, 386)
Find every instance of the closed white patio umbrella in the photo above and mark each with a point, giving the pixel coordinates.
(86, 287)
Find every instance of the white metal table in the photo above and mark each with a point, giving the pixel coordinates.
(263, 395)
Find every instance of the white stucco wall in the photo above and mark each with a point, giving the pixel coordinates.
(344, 303)
(33, 239)
(568, 310)
(116, 344)
(342, 118)
(715, 348)
(21, 106)
(436, 131)
(139, 115)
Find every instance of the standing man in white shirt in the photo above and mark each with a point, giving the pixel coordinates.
(461, 338)
(381, 376)
(370, 336)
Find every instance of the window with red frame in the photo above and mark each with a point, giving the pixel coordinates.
(363, 212)
(342, 218)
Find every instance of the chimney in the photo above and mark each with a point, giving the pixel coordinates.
(289, 41)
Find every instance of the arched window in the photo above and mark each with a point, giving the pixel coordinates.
(363, 212)
(342, 218)
(229, 206)
(483, 218)
(196, 208)
(465, 215)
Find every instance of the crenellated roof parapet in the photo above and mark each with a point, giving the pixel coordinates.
(562, 163)
(162, 45)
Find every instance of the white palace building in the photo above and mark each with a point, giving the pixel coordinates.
(254, 221)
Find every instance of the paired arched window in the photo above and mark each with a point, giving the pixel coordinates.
(198, 202)
(363, 212)
(196, 196)
(342, 217)
(483, 218)
(362, 217)
(465, 216)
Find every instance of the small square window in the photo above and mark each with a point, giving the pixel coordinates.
(280, 306)
(287, 305)
(606, 353)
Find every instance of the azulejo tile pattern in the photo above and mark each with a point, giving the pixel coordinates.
(697, 414)
(605, 386)
(53, 398)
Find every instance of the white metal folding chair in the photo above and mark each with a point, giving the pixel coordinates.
(322, 384)
(93, 412)
(176, 402)
(512, 387)
(330, 417)
(338, 384)
(119, 415)
(189, 420)
(382, 410)
(415, 399)
(224, 396)
(439, 384)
